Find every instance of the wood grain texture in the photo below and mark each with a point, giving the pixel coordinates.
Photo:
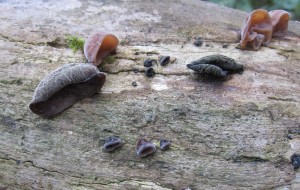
(229, 134)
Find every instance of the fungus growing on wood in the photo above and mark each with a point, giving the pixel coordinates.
(217, 65)
(260, 26)
(111, 144)
(280, 22)
(99, 45)
(164, 144)
(65, 86)
(257, 30)
(144, 148)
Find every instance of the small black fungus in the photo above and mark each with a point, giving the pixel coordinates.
(164, 144)
(135, 70)
(296, 160)
(144, 148)
(218, 65)
(164, 60)
(289, 136)
(134, 84)
(198, 42)
(148, 63)
(150, 72)
(111, 144)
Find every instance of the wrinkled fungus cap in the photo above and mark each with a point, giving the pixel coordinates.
(99, 45)
(144, 148)
(64, 86)
(280, 21)
(257, 22)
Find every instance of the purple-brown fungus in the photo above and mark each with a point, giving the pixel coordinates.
(164, 144)
(280, 22)
(257, 30)
(144, 148)
(65, 86)
(111, 144)
(99, 45)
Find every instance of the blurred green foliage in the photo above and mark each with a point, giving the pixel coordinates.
(292, 6)
(75, 43)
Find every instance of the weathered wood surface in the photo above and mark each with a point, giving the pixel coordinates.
(226, 134)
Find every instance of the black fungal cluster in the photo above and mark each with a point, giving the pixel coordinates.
(148, 63)
(217, 65)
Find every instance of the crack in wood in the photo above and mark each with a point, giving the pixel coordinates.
(38, 167)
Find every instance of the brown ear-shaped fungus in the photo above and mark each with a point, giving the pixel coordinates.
(99, 45)
(257, 30)
(65, 86)
(280, 21)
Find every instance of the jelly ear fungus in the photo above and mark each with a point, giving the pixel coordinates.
(144, 148)
(260, 26)
(65, 86)
(257, 30)
(99, 45)
(111, 144)
(280, 22)
(164, 144)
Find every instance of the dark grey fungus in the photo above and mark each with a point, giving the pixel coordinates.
(225, 46)
(164, 144)
(296, 160)
(111, 144)
(144, 148)
(134, 84)
(164, 60)
(65, 86)
(148, 63)
(217, 65)
(150, 72)
(198, 42)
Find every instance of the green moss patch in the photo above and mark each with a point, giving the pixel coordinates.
(75, 43)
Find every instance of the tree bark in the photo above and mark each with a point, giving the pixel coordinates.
(238, 133)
